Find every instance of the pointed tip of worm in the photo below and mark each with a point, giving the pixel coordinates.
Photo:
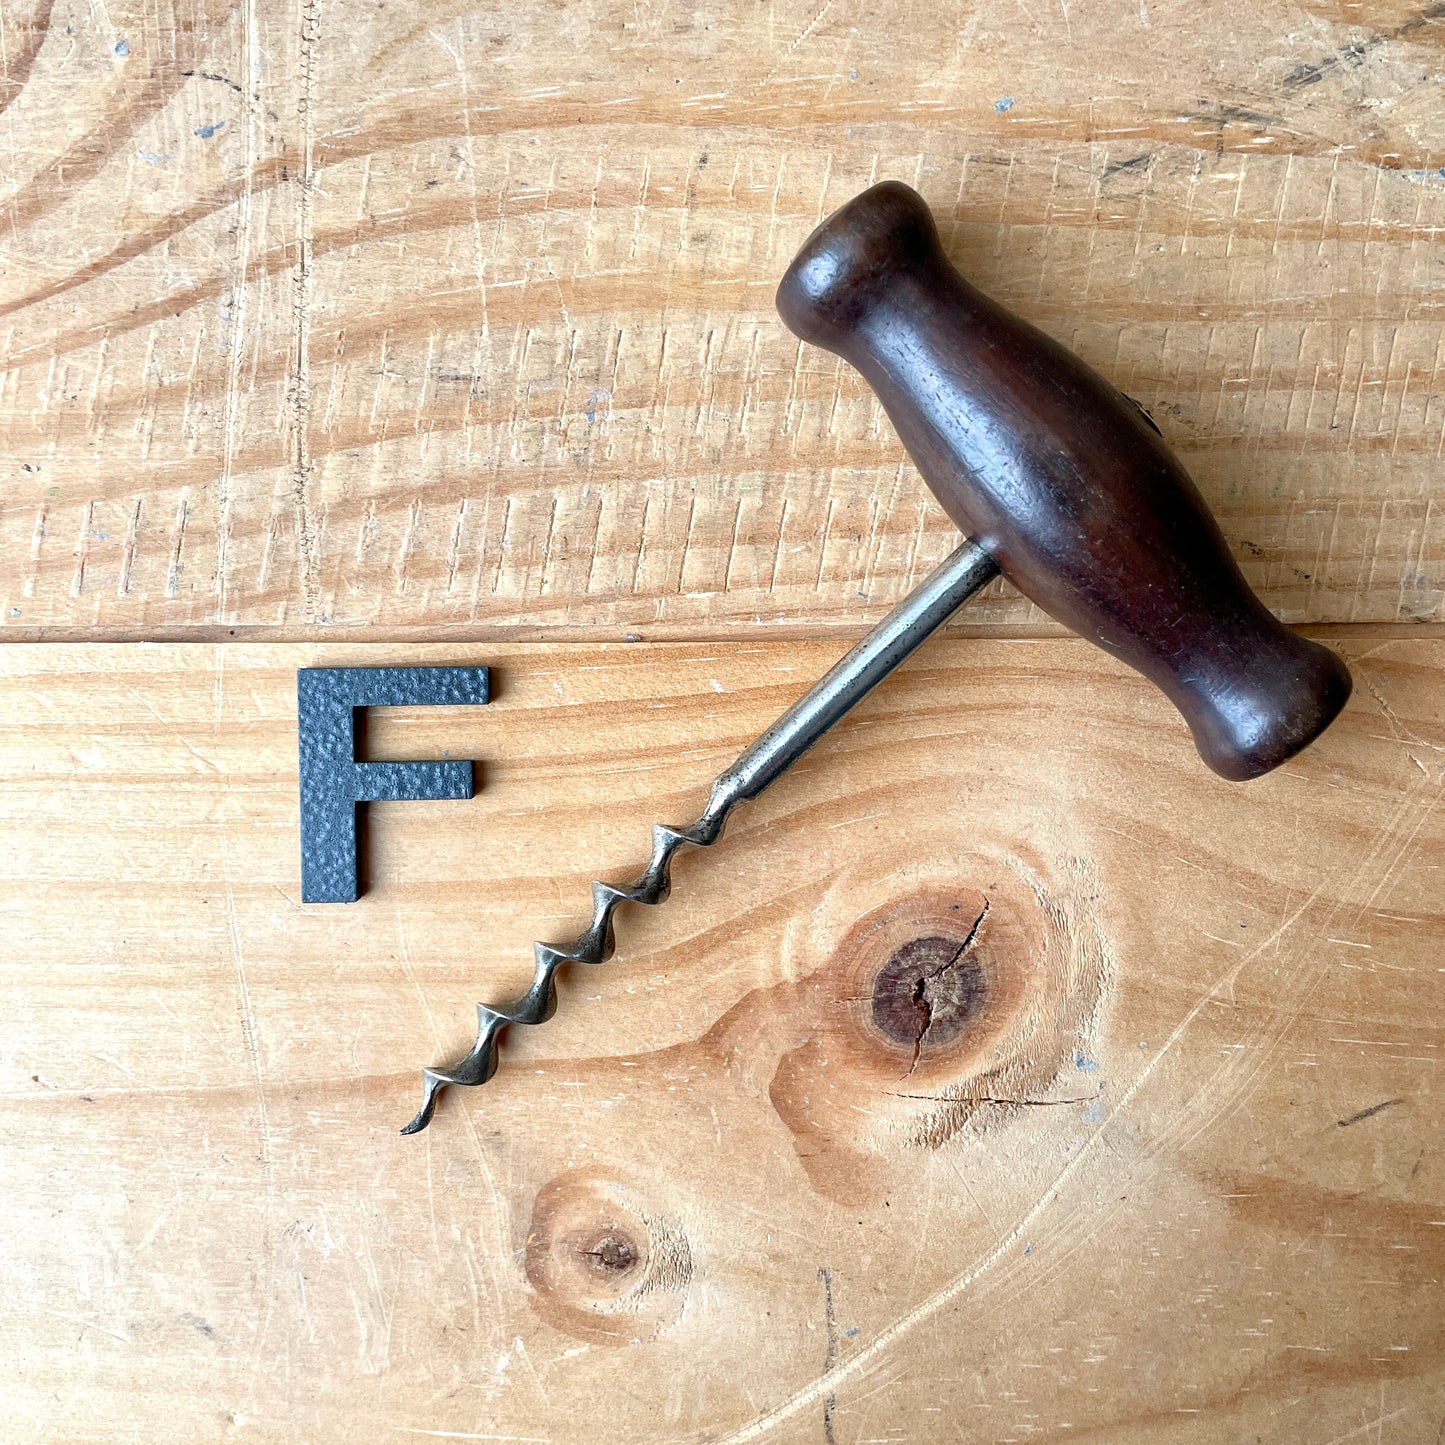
(432, 1087)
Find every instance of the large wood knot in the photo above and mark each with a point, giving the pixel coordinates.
(602, 1266)
(936, 1010)
(928, 991)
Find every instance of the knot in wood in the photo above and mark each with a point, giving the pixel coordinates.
(928, 990)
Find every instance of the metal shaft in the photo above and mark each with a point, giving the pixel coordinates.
(846, 684)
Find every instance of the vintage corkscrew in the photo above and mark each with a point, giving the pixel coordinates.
(1060, 482)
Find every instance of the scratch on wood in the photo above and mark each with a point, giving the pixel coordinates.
(173, 572)
(1402, 734)
(798, 40)
(454, 547)
(830, 1357)
(1113, 168)
(715, 225)
(408, 538)
(37, 541)
(82, 548)
(546, 559)
(236, 341)
(300, 391)
(1368, 1113)
(253, 1051)
(127, 556)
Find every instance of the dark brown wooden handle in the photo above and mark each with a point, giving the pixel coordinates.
(1065, 481)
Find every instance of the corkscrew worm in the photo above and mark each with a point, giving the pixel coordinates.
(850, 680)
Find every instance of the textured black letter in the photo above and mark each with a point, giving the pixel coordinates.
(334, 783)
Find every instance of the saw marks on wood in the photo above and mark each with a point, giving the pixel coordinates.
(1001, 1075)
(433, 318)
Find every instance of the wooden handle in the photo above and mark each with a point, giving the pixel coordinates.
(1063, 479)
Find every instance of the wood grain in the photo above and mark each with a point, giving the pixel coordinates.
(440, 319)
(1150, 1158)
(1003, 1075)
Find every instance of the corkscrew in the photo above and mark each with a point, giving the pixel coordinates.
(1062, 484)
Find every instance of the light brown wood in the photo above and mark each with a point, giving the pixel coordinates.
(436, 317)
(1154, 1159)
(441, 321)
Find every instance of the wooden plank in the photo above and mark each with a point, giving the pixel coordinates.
(1150, 1159)
(457, 319)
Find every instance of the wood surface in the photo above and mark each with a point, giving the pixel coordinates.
(447, 330)
(1153, 1157)
(445, 318)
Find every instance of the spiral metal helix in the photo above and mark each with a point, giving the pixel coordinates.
(846, 684)
(595, 945)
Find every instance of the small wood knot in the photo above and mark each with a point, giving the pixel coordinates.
(601, 1266)
(612, 1254)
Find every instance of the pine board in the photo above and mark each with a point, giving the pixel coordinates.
(1156, 1161)
(434, 319)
